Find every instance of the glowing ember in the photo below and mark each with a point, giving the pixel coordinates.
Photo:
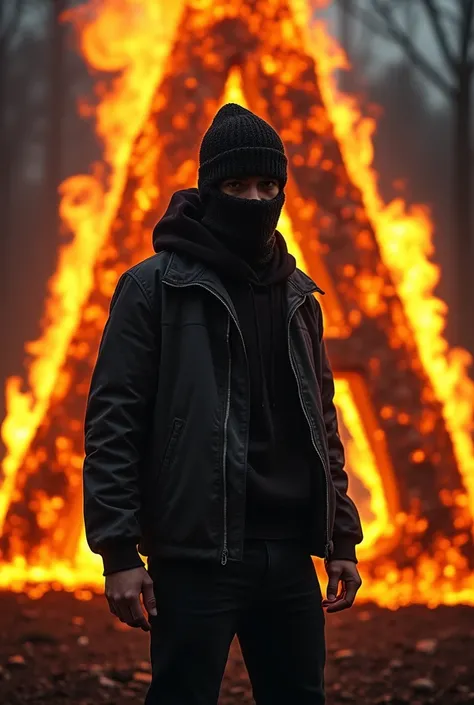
(136, 40)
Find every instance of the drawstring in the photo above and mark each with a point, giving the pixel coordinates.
(259, 345)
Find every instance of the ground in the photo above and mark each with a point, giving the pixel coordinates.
(59, 650)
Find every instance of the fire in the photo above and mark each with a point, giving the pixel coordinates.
(87, 208)
(136, 40)
(405, 240)
(363, 462)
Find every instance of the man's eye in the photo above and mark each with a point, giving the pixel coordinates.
(268, 185)
(234, 185)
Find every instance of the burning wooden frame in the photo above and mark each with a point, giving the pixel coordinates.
(410, 464)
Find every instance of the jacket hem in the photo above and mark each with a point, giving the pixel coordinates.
(186, 553)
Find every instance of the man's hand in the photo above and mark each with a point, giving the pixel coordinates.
(123, 591)
(345, 572)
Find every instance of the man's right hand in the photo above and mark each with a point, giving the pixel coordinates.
(123, 591)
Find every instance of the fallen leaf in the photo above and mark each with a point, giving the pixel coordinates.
(144, 666)
(423, 685)
(141, 677)
(107, 682)
(16, 661)
(344, 654)
(395, 663)
(427, 646)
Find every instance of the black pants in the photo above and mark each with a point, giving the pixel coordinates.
(272, 601)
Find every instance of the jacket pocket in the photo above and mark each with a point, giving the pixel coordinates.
(170, 447)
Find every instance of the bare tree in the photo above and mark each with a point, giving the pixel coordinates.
(356, 41)
(10, 18)
(452, 27)
(56, 112)
(346, 21)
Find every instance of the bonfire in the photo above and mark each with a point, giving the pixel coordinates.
(404, 398)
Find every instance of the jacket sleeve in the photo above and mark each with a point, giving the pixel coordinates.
(347, 525)
(116, 425)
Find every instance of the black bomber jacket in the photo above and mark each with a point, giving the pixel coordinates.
(167, 417)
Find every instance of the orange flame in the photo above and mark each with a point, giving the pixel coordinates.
(108, 42)
(405, 240)
(136, 40)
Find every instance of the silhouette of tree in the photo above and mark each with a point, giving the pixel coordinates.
(413, 159)
(10, 18)
(453, 31)
(57, 95)
(43, 139)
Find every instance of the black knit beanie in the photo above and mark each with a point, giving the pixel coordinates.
(238, 144)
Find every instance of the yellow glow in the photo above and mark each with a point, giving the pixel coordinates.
(134, 41)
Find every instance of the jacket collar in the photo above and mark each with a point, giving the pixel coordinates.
(303, 284)
(184, 271)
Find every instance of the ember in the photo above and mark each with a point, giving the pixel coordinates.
(405, 401)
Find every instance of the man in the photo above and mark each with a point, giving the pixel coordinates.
(212, 440)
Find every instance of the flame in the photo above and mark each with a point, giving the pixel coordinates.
(405, 240)
(135, 41)
(358, 448)
(108, 43)
(110, 34)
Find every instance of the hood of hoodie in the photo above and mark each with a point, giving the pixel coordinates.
(258, 295)
(277, 444)
(181, 230)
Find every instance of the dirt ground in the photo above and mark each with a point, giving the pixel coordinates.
(58, 650)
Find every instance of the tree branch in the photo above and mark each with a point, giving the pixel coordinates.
(467, 29)
(390, 29)
(434, 14)
(448, 15)
(8, 32)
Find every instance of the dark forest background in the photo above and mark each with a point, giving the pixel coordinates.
(414, 60)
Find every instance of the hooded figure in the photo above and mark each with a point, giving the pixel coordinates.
(212, 440)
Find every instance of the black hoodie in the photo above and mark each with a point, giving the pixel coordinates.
(279, 450)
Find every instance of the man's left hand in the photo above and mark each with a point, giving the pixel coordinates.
(346, 573)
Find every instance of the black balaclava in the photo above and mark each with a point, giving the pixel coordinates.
(240, 144)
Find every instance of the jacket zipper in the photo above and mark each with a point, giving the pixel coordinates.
(225, 551)
(305, 411)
